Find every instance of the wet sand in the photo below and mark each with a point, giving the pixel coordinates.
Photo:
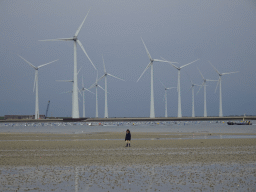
(102, 149)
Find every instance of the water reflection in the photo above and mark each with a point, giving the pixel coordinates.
(200, 177)
(76, 179)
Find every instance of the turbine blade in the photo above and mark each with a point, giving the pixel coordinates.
(86, 53)
(100, 78)
(215, 68)
(200, 73)
(188, 64)
(146, 49)
(171, 63)
(47, 63)
(101, 87)
(171, 88)
(88, 90)
(162, 84)
(79, 70)
(158, 60)
(217, 84)
(93, 85)
(104, 65)
(59, 39)
(229, 73)
(28, 62)
(115, 77)
(34, 83)
(79, 91)
(174, 65)
(150, 63)
(79, 28)
(164, 60)
(200, 87)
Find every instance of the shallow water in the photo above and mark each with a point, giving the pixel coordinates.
(214, 177)
(174, 127)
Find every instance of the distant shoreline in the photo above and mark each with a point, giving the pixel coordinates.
(231, 118)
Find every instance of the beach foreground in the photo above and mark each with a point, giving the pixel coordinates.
(101, 162)
(33, 149)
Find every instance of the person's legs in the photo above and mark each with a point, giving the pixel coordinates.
(128, 143)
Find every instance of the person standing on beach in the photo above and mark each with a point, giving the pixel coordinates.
(128, 138)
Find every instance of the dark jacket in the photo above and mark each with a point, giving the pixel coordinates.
(128, 136)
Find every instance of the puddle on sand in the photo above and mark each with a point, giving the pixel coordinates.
(214, 177)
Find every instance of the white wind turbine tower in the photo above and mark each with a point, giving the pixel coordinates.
(178, 86)
(193, 97)
(36, 84)
(152, 106)
(75, 106)
(96, 85)
(204, 85)
(84, 89)
(219, 83)
(106, 91)
(165, 97)
(72, 81)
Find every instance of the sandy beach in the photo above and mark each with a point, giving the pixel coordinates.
(34, 149)
(99, 161)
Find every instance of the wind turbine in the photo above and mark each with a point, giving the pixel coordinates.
(75, 106)
(152, 106)
(165, 96)
(193, 97)
(36, 84)
(219, 83)
(96, 85)
(106, 91)
(178, 86)
(84, 89)
(204, 85)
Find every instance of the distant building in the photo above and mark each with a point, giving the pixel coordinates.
(23, 117)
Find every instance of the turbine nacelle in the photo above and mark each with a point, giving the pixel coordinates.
(75, 38)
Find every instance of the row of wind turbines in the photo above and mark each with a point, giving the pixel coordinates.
(152, 108)
(75, 91)
(75, 105)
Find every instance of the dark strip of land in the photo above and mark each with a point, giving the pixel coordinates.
(231, 118)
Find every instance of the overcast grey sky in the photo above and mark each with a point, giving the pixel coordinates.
(223, 32)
